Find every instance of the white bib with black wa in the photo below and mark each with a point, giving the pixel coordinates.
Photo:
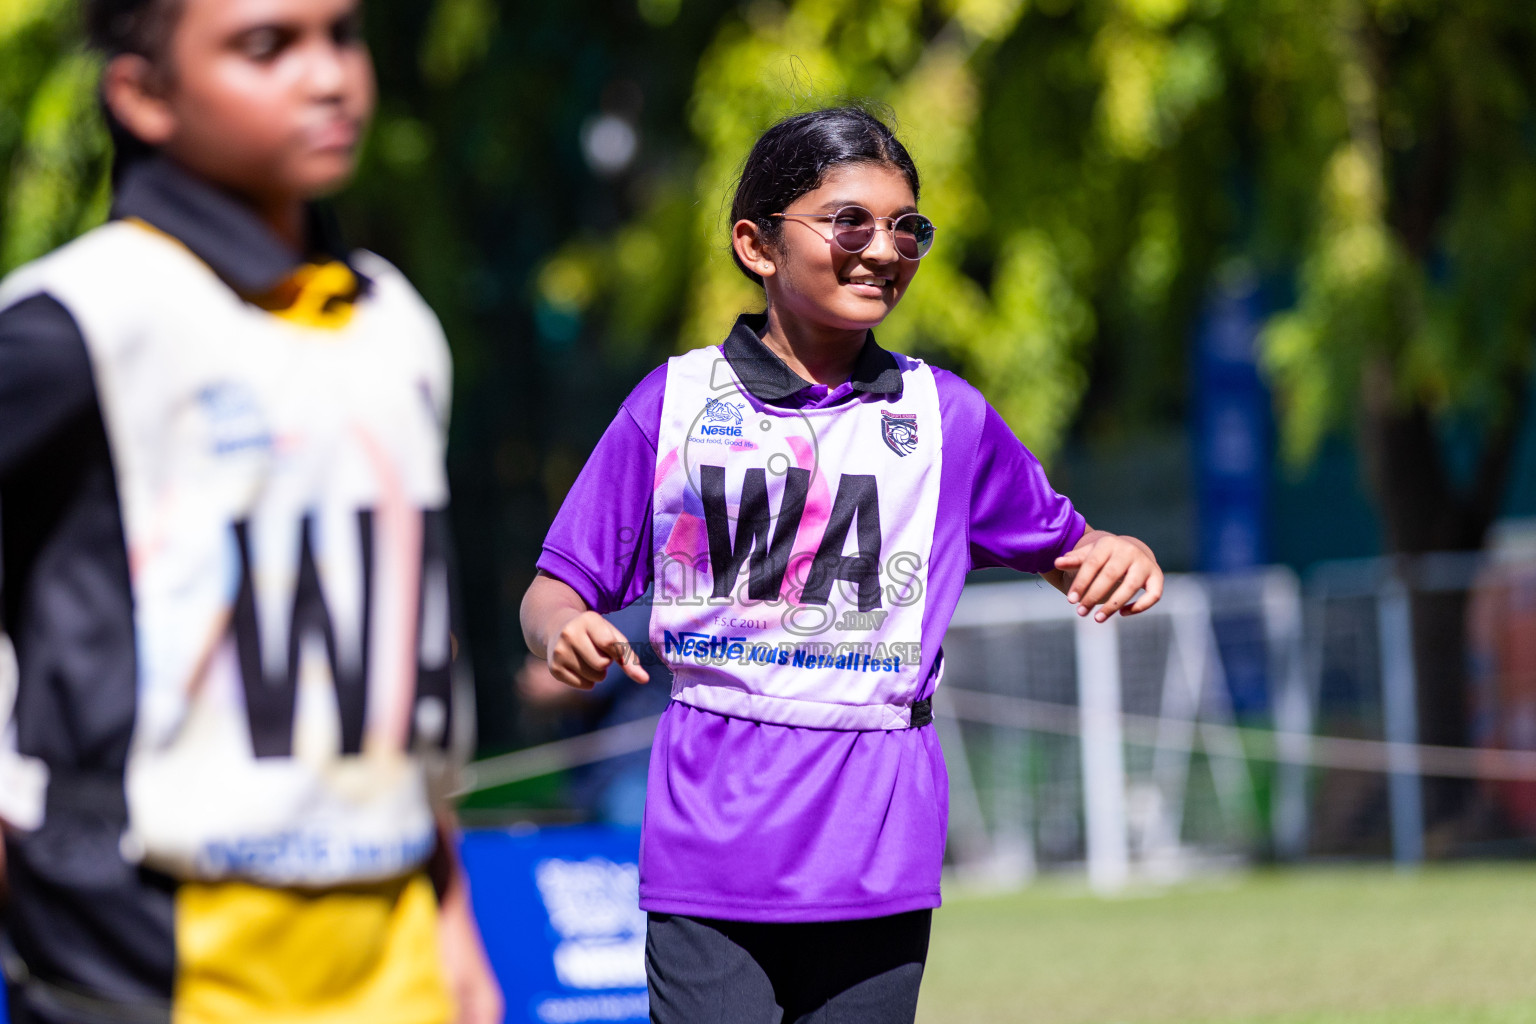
(282, 494)
(792, 548)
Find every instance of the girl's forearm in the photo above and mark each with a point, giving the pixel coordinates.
(470, 978)
(548, 605)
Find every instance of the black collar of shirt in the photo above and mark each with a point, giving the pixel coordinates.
(770, 379)
(219, 229)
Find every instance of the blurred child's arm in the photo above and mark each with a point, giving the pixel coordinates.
(1105, 570)
(578, 643)
(47, 392)
(46, 384)
(476, 993)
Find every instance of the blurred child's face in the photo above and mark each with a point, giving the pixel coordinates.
(813, 277)
(266, 97)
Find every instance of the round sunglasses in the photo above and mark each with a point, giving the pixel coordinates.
(853, 229)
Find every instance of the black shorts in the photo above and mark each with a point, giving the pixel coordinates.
(704, 971)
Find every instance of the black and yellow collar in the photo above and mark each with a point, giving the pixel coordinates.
(225, 233)
(770, 379)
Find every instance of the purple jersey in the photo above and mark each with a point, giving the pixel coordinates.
(747, 820)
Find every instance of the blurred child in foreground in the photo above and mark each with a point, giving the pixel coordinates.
(238, 702)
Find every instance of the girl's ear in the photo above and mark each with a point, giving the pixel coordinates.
(752, 248)
(134, 92)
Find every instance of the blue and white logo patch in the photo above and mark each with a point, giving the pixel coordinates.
(720, 419)
(718, 410)
(235, 419)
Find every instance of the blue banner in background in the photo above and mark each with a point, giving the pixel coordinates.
(1233, 426)
(1232, 430)
(559, 911)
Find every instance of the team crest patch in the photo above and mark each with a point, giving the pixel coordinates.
(899, 430)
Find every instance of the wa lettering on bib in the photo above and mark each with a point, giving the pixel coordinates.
(792, 546)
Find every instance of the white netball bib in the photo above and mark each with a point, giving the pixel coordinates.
(282, 494)
(792, 548)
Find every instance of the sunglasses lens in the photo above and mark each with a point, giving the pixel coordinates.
(853, 229)
(914, 235)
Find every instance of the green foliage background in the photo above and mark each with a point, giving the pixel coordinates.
(1096, 167)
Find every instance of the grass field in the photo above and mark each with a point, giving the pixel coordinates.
(1338, 946)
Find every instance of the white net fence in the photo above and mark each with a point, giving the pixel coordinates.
(1110, 744)
(1387, 709)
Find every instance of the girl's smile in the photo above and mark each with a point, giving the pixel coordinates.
(869, 286)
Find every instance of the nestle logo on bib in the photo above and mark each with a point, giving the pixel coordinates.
(721, 418)
(704, 645)
(718, 410)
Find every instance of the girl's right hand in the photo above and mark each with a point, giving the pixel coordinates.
(582, 649)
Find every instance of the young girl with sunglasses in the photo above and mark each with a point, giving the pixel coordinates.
(807, 505)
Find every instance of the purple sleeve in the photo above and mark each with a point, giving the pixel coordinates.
(600, 541)
(1016, 517)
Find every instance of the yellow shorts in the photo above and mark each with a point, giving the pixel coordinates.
(356, 955)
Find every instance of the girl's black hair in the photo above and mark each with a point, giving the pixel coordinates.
(117, 27)
(794, 156)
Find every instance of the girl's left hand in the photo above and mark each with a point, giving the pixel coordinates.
(1105, 570)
